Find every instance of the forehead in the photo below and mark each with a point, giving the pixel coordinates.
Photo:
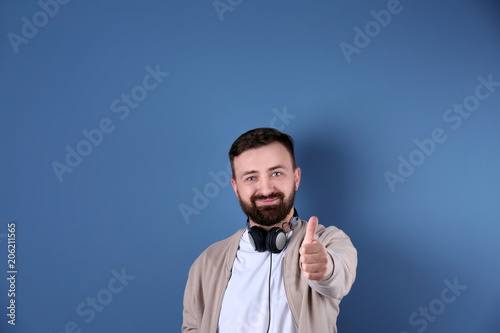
(262, 158)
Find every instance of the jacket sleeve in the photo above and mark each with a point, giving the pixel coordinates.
(193, 301)
(345, 261)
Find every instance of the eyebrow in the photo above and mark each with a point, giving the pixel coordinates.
(279, 166)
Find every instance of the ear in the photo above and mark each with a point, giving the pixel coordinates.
(235, 187)
(296, 175)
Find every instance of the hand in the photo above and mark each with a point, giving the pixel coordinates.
(314, 258)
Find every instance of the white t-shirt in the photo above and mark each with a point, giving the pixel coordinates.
(245, 307)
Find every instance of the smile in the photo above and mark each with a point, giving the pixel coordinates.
(265, 202)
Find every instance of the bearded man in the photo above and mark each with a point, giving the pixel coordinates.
(281, 273)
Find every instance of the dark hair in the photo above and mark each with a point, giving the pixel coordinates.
(260, 137)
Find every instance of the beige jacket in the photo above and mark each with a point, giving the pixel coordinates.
(314, 305)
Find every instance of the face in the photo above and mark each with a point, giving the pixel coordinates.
(265, 183)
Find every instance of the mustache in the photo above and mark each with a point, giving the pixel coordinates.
(275, 195)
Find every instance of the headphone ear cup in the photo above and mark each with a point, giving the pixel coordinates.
(276, 240)
(257, 237)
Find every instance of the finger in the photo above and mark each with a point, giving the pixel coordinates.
(313, 276)
(313, 268)
(311, 230)
(314, 260)
(311, 248)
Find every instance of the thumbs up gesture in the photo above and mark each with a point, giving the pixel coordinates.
(314, 258)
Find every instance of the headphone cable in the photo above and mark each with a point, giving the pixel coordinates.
(270, 270)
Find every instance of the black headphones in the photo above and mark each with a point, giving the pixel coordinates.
(273, 241)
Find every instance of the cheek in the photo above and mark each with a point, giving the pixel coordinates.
(286, 187)
(245, 193)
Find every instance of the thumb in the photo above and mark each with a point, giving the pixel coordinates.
(311, 230)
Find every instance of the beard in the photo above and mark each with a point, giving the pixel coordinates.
(270, 214)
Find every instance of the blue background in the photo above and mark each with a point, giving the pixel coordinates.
(351, 117)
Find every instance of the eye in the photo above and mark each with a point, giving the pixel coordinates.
(276, 173)
(251, 178)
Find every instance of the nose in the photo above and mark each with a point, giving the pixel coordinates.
(266, 186)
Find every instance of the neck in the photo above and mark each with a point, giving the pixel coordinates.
(288, 218)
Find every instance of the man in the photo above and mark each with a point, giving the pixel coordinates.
(280, 274)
